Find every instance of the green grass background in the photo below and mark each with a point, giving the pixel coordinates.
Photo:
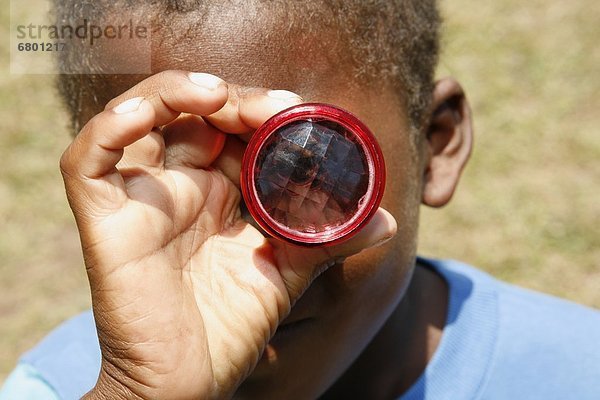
(527, 210)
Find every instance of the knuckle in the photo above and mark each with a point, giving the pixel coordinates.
(169, 78)
(65, 164)
(151, 86)
(168, 74)
(112, 103)
(90, 128)
(169, 84)
(91, 125)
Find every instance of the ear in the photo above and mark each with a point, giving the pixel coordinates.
(448, 142)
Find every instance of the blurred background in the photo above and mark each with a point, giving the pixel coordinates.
(527, 210)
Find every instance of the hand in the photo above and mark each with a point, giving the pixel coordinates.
(185, 293)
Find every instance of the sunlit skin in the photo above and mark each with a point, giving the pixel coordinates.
(365, 326)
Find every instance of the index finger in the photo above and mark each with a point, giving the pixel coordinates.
(89, 163)
(172, 92)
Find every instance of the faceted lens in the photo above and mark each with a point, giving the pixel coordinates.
(311, 175)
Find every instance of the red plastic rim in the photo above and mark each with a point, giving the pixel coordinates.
(373, 155)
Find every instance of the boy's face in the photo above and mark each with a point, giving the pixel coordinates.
(347, 305)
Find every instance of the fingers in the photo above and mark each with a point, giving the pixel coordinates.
(381, 228)
(229, 161)
(170, 93)
(248, 108)
(88, 164)
(123, 134)
(299, 266)
(255, 109)
(174, 92)
(147, 152)
(127, 121)
(191, 142)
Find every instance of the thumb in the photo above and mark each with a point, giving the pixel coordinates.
(299, 266)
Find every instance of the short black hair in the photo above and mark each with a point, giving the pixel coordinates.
(387, 40)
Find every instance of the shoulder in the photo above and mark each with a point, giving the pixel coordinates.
(551, 341)
(66, 361)
(533, 319)
(545, 347)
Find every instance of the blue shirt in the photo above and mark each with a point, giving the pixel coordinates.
(499, 342)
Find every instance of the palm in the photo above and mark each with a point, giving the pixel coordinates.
(188, 265)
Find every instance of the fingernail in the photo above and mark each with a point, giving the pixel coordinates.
(282, 94)
(207, 81)
(129, 105)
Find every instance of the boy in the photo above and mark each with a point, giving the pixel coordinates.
(191, 301)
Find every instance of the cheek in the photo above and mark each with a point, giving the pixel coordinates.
(384, 115)
(401, 195)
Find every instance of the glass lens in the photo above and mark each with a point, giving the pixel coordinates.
(311, 175)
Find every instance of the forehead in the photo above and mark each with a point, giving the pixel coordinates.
(264, 47)
(257, 47)
(250, 44)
